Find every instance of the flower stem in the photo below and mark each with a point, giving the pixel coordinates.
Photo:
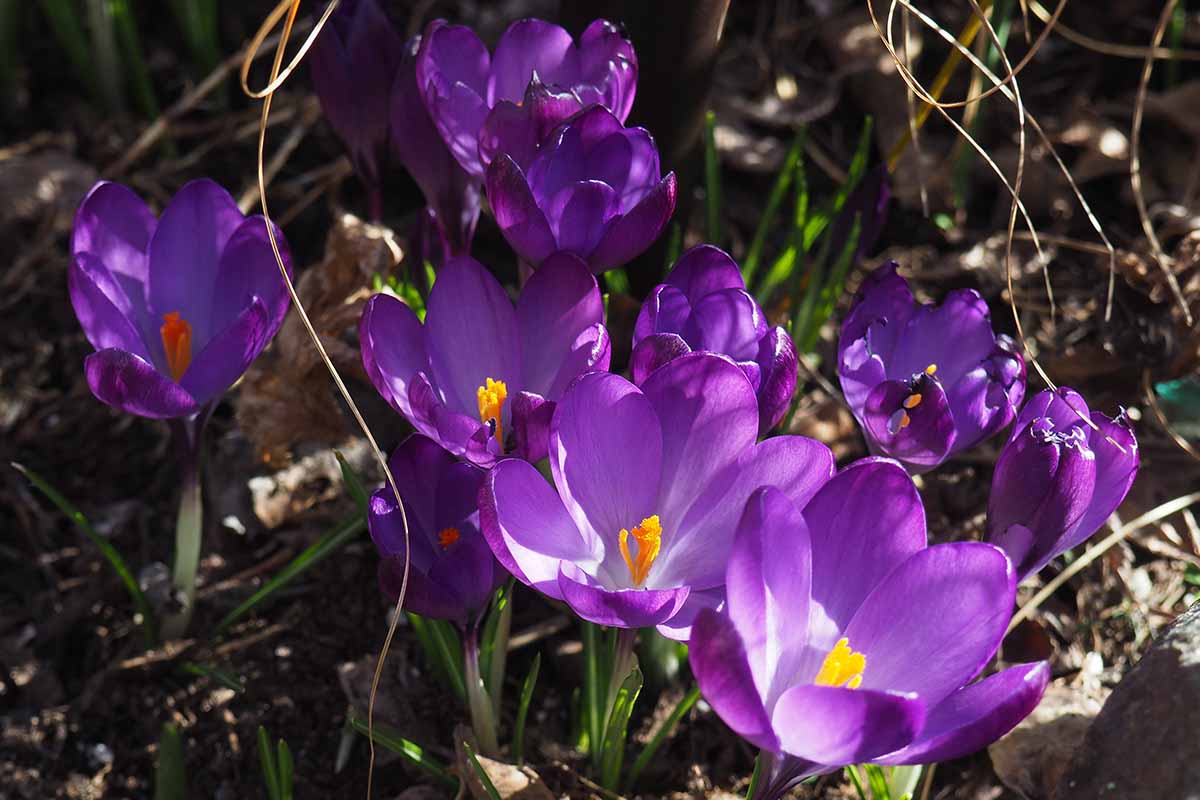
(188, 533)
(483, 717)
(623, 663)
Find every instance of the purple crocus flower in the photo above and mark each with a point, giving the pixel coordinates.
(353, 64)
(1057, 479)
(452, 573)
(480, 377)
(845, 639)
(176, 307)
(594, 188)
(506, 102)
(704, 305)
(925, 382)
(647, 487)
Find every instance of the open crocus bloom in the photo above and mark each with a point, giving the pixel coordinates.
(925, 382)
(594, 188)
(477, 100)
(453, 572)
(480, 377)
(846, 640)
(650, 482)
(176, 307)
(1058, 479)
(704, 305)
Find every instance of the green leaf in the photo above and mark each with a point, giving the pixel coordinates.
(443, 650)
(286, 768)
(266, 759)
(618, 729)
(878, 782)
(712, 180)
(774, 200)
(386, 737)
(354, 484)
(131, 50)
(647, 755)
(593, 690)
(106, 549)
(481, 773)
(617, 281)
(318, 551)
(170, 776)
(674, 246)
(523, 710)
(214, 674)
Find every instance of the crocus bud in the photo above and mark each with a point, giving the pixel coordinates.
(1058, 479)
(924, 381)
(594, 189)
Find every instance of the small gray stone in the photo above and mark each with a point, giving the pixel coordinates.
(1145, 744)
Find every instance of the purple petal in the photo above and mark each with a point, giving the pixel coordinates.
(530, 46)
(621, 608)
(464, 436)
(606, 455)
(424, 595)
(469, 571)
(531, 417)
(836, 726)
(926, 439)
(125, 381)
(97, 300)
(679, 627)
(875, 536)
(666, 310)
(1115, 471)
(957, 601)
(883, 305)
(767, 584)
(560, 302)
(780, 366)
(985, 399)
(471, 334)
(452, 67)
(976, 715)
(529, 530)
(518, 129)
(393, 349)
(955, 335)
(705, 269)
(718, 659)
(627, 161)
(516, 211)
(579, 215)
(607, 61)
(228, 353)
(630, 235)
(727, 321)
(654, 351)
(248, 269)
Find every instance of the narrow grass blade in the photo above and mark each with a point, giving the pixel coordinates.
(493, 655)
(170, 775)
(103, 545)
(354, 484)
(651, 749)
(132, 55)
(286, 770)
(819, 301)
(819, 221)
(63, 17)
(774, 200)
(443, 651)
(266, 759)
(712, 180)
(218, 676)
(314, 554)
(523, 710)
(618, 730)
(413, 752)
(852, 773)
(593, 690)
(674, 246)
(106, 61)
(754, 776)
(617, 281)
(878, 782)
(481, 773)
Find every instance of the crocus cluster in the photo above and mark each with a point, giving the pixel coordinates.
(823, 628)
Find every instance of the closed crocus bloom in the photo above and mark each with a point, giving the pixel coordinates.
(481, 104)
(479, 376)
(925, 381)
(450, 193)
(845, 639)
(704, 305)
(353, 63)
(594, 188)
(648, 484)
(452, 572)
(176, 307)
(1058, 479)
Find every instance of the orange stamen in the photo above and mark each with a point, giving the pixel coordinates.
(447, 537)
(842, 667)
(491, 397)
(177, 342)
(648, 536)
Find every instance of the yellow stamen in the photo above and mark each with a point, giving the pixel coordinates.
(842, 667)
(177, 342)
(447, 537)
(648, 536)
(491, 398)
(932, 368)
(905, 419)
(912, 401)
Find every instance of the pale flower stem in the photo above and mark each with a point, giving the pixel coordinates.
(483, 718)
(188, 534)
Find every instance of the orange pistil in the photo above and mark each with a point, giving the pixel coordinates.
(648, 536)
(447, 537)
(177, 342)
